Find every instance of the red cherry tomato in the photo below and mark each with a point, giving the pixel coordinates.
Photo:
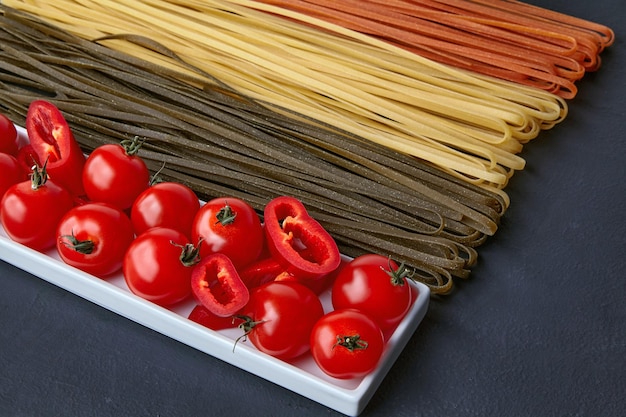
(230, 226)
(166, 204)
(12, 172)
(158, 265)
(115, 174)
(8, 136)
(347, 344)
(53, 141)
(279, 318)
(94, 238)
(31, 211)
(375, 285)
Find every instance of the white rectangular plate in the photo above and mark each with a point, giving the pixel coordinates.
(301, 376)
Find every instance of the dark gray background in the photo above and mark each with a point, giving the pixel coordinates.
(538, 330)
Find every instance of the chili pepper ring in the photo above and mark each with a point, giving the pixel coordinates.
(299, 241)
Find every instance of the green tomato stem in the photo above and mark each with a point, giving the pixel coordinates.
(85, 247)
(351, 343)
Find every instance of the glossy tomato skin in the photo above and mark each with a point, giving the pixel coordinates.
(241, 239)
(8, 136)
(30, 216)
(284, 313)
(112, 176)
(106, 229)
(366, 285)
(11, 172)
(347, 344)
(152, 267)
(166, 204)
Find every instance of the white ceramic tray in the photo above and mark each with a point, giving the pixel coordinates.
(301, 376)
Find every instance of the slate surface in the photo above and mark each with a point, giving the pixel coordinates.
(538, 330)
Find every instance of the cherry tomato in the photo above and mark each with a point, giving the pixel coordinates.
(158, 265)
(230, 226)
(31, 210)
(12, 172)
(53, 141)
(115, 174)
(8, 136)
(347, 344)
(279, 318)
(166, 204)
(94, 238)
(375, 285)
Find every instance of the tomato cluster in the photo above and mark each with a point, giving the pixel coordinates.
(103, 215)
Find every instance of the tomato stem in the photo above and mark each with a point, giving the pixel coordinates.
(156, 179)
(400, 275)
(226, 215)
(247, 326)
(85, 247)
(189, 254)
(132, 146)
(351, 343)
(39, 175)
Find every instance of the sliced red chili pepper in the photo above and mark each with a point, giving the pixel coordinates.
(27, 157)
(261, 272)
(298, 241)
(203, 316)
(269, 269)
(53, 141)
(217, 286)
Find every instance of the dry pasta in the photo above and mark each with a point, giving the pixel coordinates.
(220, 142)
(504, 39)
(471, 126)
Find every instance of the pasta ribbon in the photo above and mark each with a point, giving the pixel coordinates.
(468, 124)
